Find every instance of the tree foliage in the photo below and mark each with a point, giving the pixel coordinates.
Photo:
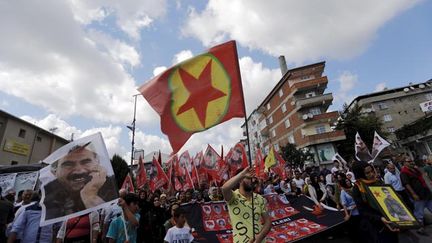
(352, 121)
(120, 168)
(295, 157)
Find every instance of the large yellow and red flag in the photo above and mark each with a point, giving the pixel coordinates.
(197, 94)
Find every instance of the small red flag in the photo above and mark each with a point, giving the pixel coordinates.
(214, 164)
(197, 94)
(128, 184)
(279, 168)
(141, 177)
(259, 165)
(236, 159)
(157, 176)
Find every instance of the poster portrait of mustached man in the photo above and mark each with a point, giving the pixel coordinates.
(78, 180)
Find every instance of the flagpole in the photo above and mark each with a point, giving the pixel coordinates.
(247, 136)
(133, 131)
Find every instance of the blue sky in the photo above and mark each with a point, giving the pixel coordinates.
(76, 64)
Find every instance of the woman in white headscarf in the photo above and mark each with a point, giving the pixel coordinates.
(351, 177)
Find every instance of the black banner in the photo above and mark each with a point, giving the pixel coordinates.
(292, 220)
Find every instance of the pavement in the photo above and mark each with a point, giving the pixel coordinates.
(410, 236)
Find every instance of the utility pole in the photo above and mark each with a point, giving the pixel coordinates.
(132, 128)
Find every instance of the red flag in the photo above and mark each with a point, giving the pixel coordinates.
(202, 172)
(236, 158)
(214, 164)
(157, 176)
(186, 161)
(141, 177)
(197, 94)
(182, 180)
(279, 168)
(128, 184)
(160, 158)
(259, 165)
(170, 164)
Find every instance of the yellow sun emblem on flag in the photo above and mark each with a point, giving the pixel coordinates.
(201, 90)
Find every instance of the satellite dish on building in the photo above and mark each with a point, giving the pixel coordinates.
(292, 102)
(368, 110)
(421, 86)
(412, 88)
(305, 116)
(310, 115)
(406, 90)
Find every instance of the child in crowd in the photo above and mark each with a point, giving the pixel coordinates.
(179, 233)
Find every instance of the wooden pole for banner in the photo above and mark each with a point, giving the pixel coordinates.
(124, 226)
(248, 140)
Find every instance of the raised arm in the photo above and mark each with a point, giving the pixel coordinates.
(233, 182)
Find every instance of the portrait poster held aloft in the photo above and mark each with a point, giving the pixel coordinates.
(79, 179)
(392, 207)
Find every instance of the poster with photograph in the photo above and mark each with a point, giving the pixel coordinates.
(379, 144)
(7, 182)
(25, 181)
(361, 150)
(392, 207)
(79, 179)
(215, 216)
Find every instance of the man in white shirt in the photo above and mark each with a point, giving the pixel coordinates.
(298, 180)
(392, 177)
(336, 167)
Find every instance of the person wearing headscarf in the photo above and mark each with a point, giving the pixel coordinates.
(373, 226)
(351, 177)
(317, 190)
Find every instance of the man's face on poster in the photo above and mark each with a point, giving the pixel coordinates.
(236, 156)
(74, 169)
(210, 160)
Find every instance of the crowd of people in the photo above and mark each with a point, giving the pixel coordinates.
(156, 216)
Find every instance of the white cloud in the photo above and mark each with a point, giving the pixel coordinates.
(344, 94)
(111, 134)
(300, 30)
(258, 81)
(150, 142)
(182, 56)
(130, 16)
(347, 80)
(118, 50)
(380, 87)
(159, 70)
(65, 70)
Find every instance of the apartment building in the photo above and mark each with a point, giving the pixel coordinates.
(399, 107)
(22, 142)
(295, 112)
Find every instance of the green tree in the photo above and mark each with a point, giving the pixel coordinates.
(352, 121)
(120, 168)
(295, 157)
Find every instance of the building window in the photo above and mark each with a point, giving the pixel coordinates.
(22, 133)
(391, 129)
(428, 96)
(320, 129)
(388, 118)
(1, 124)
(276, 147)
(382, 105)
(287, 123)
(273, 132)
(39, 138)
(306, 77)
(315, 111)
(310, 94)
(268, 106)
(284, 108)
(291, 139)
(270, 120)
(280, 93)
(13, 162)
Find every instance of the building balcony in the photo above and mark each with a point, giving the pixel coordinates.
(324, 138)
(318, 83)
(324, 101)
(324, 117)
